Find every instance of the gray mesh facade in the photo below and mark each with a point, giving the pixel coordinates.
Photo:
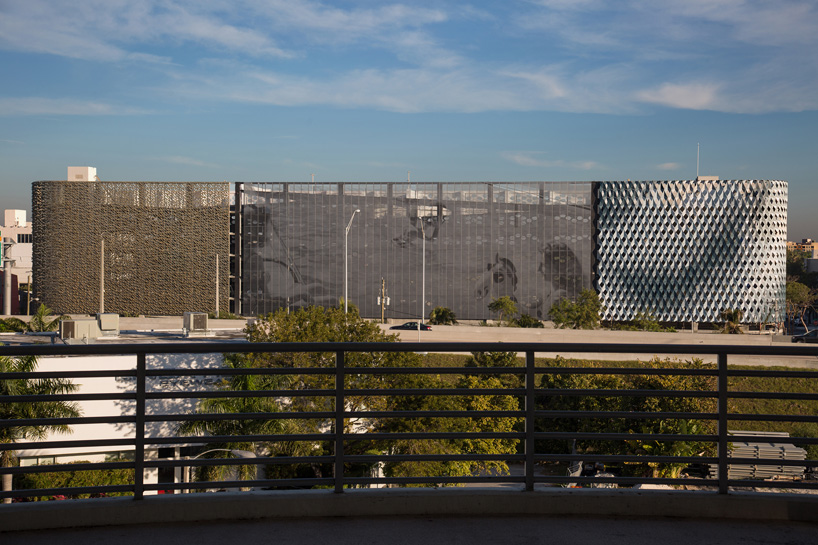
(530, 241)
(161, 243)
(686, 250)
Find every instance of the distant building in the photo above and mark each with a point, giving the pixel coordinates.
(806, 245)
(680, 250)
(17, 249)
(19, 231)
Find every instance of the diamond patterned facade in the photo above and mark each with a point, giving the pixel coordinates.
(686, 250)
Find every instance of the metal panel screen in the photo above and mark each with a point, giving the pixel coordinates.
(160, 246)
(686, 250)
(477, 242)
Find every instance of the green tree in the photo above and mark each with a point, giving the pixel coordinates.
(496, 402)
(644, 403)
(526, 320)
(731, 321)
(799, 299)
(30, 410)
(239, 425)
(12, 324)
(506, 307)
(442, 316)
(42, 320)
(580, 314)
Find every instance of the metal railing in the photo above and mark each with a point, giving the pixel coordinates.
(333, 428)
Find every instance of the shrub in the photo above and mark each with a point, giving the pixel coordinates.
(582, 314)
(442, 316)
(528, 321)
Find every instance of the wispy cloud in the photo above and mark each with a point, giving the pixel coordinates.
(62, 106)
(558, 55)
(669, 166)
(691, 96)
(535, 159)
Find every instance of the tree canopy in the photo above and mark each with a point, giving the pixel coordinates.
(799, 299)
(316, 324)
(584, 313)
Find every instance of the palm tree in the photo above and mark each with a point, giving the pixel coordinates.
(42, 320)
(238, 426)
(30, 410)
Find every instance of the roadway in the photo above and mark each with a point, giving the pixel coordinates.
(471, 333)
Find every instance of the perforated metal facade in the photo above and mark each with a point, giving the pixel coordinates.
(160, 246)
(686, 250)
(530, 241)
(682, 250)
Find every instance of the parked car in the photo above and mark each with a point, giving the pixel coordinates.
(808, 337)
(412, 326)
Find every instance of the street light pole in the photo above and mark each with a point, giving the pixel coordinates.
(346, 254)
(422, 274)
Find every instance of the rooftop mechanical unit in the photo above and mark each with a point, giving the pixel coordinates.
(79, 330)
(195, 323)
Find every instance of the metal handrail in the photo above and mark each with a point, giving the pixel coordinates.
(140, 395)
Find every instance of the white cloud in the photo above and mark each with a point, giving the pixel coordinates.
(558, 55)
(533, 159)
(62, 106)
(669, 166)
(690, 96)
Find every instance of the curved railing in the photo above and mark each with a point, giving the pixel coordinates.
(533, 433)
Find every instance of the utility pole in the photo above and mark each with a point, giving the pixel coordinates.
(383, 300)
(102, 276)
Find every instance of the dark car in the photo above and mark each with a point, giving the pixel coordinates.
(808, 337)
(412, 326)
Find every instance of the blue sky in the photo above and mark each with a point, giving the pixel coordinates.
(277, 90)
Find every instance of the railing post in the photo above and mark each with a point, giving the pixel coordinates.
(139, 429)
(530, 407)
(722, 429)
(339, 422)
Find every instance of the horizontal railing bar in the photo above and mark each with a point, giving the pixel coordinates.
(565, 392)
(402, 436)
(67, 397)
(774, 395)
(67, 444)
(68, 374)
(604, 436)
(435, 392)
(433, 414)
(206, 417)
(226, 394)
(772, 418)
(241, 371)
(372, 458)
(205, 439)
(636, 415)
(62, 468)
(443, 347)
(204, 462)
(21, 422)
(33, 492)
(625, 458)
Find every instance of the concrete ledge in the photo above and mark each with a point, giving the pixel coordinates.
(407, 502)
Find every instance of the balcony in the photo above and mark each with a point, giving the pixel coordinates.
(545, 482)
